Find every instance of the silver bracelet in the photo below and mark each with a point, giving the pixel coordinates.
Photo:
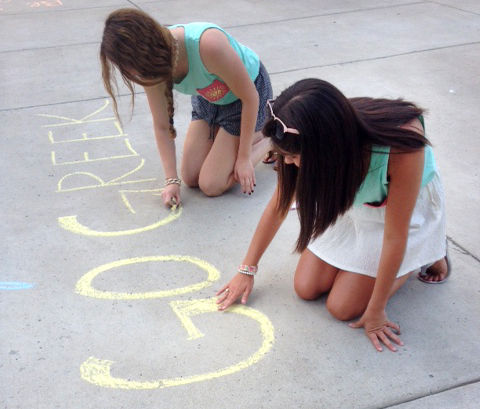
(248, 270)
(173, 181)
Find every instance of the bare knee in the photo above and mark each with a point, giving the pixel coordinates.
(189, 181)
(342, 311)
(189, 178)
(211, 188)
(304, 290)
(313, 277)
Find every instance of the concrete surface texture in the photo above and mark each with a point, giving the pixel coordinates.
(106, 296)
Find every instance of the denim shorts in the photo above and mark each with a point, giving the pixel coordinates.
(228, 116)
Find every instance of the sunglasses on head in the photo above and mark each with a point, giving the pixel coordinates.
(285, 128)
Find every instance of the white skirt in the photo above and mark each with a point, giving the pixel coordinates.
(354, 242)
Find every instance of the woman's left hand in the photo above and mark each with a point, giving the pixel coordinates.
(245, 175)
(379, 330)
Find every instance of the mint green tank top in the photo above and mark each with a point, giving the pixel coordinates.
(199, 80)
(374, 188)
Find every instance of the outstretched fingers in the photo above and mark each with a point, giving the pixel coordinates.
(240, 286)
(246, 294)
(225, 300)
(222, 294)
(385, 335)
(394, 326)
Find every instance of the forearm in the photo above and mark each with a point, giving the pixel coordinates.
(166, 148)
(267, 227)
(391, 258)
(247, 125)
(405, 171)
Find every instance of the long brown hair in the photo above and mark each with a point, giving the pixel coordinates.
(337, 136)
(142, 50)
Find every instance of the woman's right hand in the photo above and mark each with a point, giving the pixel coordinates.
(240, 285)
(171, 195)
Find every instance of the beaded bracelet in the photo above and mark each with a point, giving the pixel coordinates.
(248, 270)
(173, 181)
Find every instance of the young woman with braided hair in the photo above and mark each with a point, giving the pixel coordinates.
(369, 200)
(229, 87)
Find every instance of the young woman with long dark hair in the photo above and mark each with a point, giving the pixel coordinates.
(229, 87)
(369, 200)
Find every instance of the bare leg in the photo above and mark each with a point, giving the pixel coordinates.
(313, 276)
(216, 174)
(260, 147)
(209, 164)
(351, 293)
(195, 149)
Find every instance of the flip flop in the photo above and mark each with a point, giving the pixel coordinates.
(270, 157)
(423, 274)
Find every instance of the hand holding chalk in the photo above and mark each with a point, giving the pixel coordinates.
(171, 195)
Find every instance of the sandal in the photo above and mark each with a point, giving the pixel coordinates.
(423, 274)
(270, 157)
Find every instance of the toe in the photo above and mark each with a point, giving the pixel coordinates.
(436, 272)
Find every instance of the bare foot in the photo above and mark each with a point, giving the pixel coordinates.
(437, 272)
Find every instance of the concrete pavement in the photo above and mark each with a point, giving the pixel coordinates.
(106, 296)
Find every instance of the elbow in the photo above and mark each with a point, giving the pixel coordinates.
(251, 99)
(396, 243)
(396, 237)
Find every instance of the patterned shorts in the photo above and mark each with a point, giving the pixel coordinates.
(228, 116)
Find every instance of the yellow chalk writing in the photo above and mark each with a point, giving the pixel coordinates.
(85, 136)
(126, 202)
(101, 182)
(45, 3)
(98, 371)
(86, 157)
(71, 224)
(84, 285)
(73, 121)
